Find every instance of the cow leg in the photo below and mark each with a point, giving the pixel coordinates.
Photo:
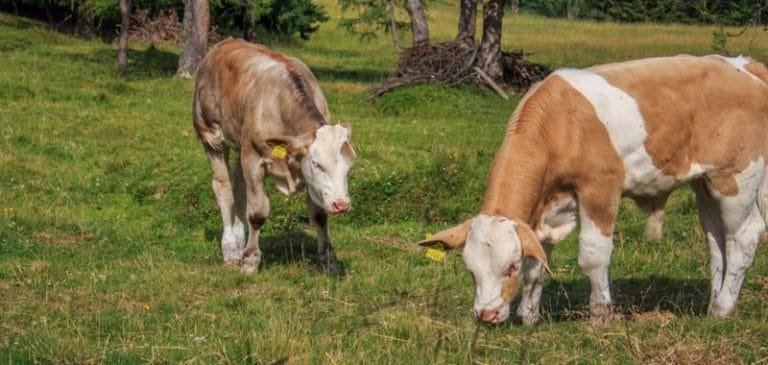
(533, 277)
(714, 230)
(257, 207)
(654, 209)
(734, 251)
(238, 187)
(597, 212)
(325, 250)
(232, 233)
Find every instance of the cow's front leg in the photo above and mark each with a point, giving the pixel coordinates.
(533, 277)
(319, 218)
(597, 213)
(257, 209)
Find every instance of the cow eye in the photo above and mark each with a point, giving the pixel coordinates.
(317, 166)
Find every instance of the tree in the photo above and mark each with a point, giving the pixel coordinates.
(122, 45)
(419, 26)
(490, 48)
(467, 22)
(194, 39)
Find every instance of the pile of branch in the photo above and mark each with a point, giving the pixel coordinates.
(455, 63)
(164, 27)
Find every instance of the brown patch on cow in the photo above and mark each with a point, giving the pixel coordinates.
(711, 114)
(757, 69)
(62, 238)
(235, 102)
(510, 286)
(556, 144)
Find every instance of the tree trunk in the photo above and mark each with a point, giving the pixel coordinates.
(419, 27)
(122, 45)
(84, 23)
(395, 37)
(194, 39)
(515, 7)
(249, 31)
(467, 22)
(490, 49)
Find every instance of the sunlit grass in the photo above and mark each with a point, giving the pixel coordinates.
(109, 232)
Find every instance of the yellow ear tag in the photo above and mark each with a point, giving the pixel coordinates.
(436, 253)
(279, 152)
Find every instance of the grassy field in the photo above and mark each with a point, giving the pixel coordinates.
(109, 232)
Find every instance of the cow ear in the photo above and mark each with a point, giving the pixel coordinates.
(345, 124)
(348, 153)
(531, 245)
(451, 238)
(294, 145)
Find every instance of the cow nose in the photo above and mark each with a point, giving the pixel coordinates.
(339, 206)
(490, 316)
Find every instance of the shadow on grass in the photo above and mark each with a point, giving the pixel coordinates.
(291, 247)
(143, 64)
(569, 300)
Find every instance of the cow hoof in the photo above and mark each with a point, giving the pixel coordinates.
(601, 315)
(530, 320)
(332, 267)
(250, 265)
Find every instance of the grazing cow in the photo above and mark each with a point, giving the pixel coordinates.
(581, 139)
(268, 107)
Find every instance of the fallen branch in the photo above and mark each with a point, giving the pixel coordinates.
(490, 83)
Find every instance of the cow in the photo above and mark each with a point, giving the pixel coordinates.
(581, 139)
(269, 108)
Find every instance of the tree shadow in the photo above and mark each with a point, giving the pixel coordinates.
(564, 301)
(346, 74)
(149, 63)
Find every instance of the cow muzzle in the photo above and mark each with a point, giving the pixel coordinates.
(339, 206)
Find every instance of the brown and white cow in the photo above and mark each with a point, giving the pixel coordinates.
(268, 107)
(581, 139)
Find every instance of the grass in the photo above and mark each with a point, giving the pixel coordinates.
(109, 232)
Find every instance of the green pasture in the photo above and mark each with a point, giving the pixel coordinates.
(109, 232)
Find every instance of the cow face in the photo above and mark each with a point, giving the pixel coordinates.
(326, 167)
(494, 248)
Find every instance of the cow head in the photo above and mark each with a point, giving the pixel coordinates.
(494, 248)
(326, 155)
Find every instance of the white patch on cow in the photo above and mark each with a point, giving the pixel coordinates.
(326, 167)
(263, 64)
(740, 62)
(620, 114)
(558, 221)
(491, 248)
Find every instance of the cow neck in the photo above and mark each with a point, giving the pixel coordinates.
(516, 180)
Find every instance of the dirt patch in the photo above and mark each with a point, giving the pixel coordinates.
(62, 238)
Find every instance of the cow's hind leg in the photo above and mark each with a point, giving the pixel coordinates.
(733, 225)
(533, 276)
(257, 207)
(325, 250)
(233, 234)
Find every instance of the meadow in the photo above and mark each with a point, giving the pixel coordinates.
(109, 235)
